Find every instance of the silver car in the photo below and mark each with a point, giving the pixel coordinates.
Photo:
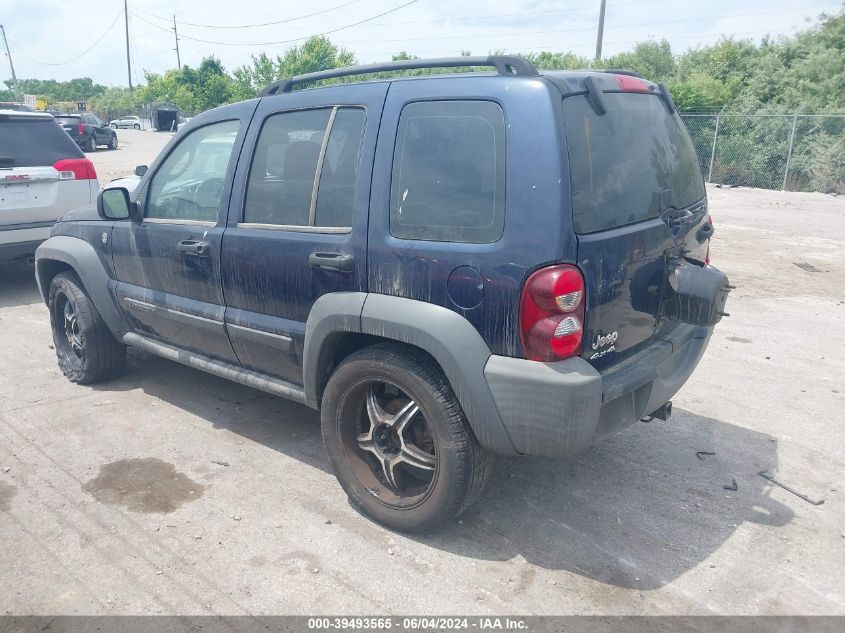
(43, 175)
(126, 122)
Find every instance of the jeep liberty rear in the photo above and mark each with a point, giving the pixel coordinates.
(639, 208)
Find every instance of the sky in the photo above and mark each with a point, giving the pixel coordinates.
(86, 38)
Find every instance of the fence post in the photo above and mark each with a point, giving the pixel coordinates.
(713, 150)
(789, 153)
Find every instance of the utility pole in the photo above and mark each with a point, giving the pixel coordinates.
(601, 29)
(15, 85)
(128, 63)
(176, 35)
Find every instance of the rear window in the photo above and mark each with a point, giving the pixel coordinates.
(34, 142)
(69, 120)
(630, 164)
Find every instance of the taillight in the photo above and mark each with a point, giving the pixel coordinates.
(75, 169)
(551, 313)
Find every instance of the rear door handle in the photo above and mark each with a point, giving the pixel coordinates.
(341, 262)
(197, 248)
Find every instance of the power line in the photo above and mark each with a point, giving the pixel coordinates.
(295, 39)
(82, 54)
(499, 34)
(250, 26)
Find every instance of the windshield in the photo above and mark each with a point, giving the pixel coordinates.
(629, 164)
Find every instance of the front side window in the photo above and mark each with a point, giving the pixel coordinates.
(189, 183)
(305, 169)
(448, 181)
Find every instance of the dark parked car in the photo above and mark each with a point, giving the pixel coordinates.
(447, 267)
(88, 131)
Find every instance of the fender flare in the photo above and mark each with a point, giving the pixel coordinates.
(444, 334)
(83, 259)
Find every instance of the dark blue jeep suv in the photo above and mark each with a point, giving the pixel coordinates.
(446, 266)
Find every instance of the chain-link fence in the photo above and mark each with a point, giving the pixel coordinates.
(795, 152)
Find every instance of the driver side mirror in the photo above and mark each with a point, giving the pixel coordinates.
(114, 204)
(140, 170)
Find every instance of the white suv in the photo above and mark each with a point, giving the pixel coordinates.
(43, 174)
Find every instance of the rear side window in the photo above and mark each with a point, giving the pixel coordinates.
(296, 151)
(448, 181)
(34, 142)
(630, 164)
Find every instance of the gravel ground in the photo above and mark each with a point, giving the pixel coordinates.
(133, 148)
(170, 491)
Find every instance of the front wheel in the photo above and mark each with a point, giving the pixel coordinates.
(398, 440)
(86, 350)
(137, 126)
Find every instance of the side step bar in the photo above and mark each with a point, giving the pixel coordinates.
(217, 367)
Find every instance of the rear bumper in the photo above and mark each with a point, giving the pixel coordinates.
(556, 409)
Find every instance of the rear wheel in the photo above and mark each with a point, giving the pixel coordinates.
(137, 126)
(86, 350)
(113, 142)
(398, 440)
(92, 143)
(113, 126)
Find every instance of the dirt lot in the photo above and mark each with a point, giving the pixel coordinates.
(172, 491)
(133, 148)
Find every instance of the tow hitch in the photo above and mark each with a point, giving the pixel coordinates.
(663, 412)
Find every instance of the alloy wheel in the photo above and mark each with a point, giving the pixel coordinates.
(389, 443)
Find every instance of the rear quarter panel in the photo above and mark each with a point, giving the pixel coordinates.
(537, 227)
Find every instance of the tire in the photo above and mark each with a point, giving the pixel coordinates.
(137, 126)
(86, 349)
(113, 126)
(392, 377)
(92, 143)
(113, 142)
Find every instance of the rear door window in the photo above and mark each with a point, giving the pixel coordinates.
(32, 142)
(305, 169)
(630, 164)
(448, 180)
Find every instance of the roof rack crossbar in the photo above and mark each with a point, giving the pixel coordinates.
(504, 65)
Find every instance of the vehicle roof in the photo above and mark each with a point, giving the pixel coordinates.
(568, 81)
(26, 115)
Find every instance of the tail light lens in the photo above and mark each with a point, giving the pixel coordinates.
(75, 169)
(81, 129)
(551, 313)
(628, 83)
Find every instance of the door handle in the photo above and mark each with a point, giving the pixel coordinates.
(193, 247)
(341, 262)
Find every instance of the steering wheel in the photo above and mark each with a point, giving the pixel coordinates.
(208, 192)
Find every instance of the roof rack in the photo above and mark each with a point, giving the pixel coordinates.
(504, 65)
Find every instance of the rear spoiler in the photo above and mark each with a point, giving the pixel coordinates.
(597, 101)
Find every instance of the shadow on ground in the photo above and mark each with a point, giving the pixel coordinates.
(17, 285)
(636, 511)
